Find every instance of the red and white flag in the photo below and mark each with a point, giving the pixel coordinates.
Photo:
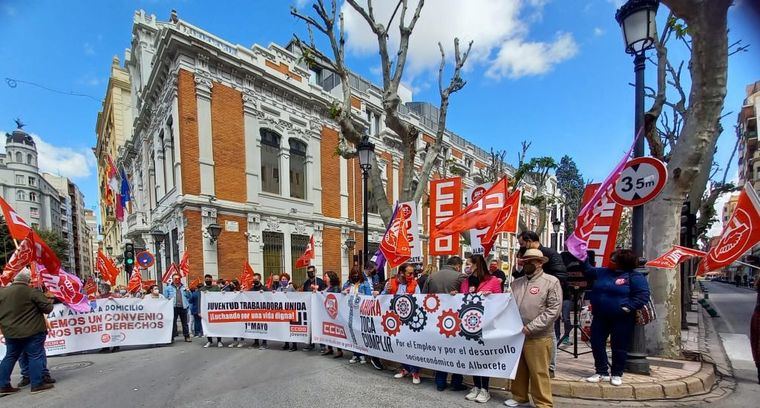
(169, 272)
(396, 246)
(445, 203)
(67, 288)
(135, 281)
(308, 254)
(21, 258)
(479, 214)
(184, 265)
(246, 277)
(91, 288)
(741, 233)
(674, 257)
(590, 214)
(19, 230)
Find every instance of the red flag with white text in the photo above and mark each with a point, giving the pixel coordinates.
(106, 268)
(445, 203)
(184, 265)
(740, 234)
(21, 258)
(91, 288)
(506, 221)
(674, 257)
(169, 272)
(67, 288)
(395, 245)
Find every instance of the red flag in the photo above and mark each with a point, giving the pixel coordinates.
(135, 281)
(184, 265)
(106, 268)
(739, 236)
(194, 283)
(674, 257)
(169, 272)
(479, 214)
(17, 227)
(22, 257)
(506, 221)
(67, 288)
(305, 259)
(395, 245)
(146, 284)
(246, 278)
(588, 217)
(91, 288)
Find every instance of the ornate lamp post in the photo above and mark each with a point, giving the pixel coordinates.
(158, 237)
(366, 150)
(637, 20)
(556, 224)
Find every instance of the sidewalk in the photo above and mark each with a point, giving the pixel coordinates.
(669, 379)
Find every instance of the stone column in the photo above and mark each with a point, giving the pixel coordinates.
(252, 147)
(203, 86)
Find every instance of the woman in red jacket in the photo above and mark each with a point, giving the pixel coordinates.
(479, 280)
(404, 284)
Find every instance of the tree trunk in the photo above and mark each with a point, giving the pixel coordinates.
(707, 22)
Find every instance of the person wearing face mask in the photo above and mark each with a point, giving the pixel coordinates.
(539, 298)
(554, 266)
(493, 269)
(208, 286)
(258, 286)
(180, 296)
(357, 284)
(309, 285)
(404, 283)
(479, 280)
(616, 294)
(285, 285)
(333, 281)
(195, 310)
(154, 293)
(447, 280)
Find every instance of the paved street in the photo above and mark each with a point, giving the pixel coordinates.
(734, 306)
(187, 375)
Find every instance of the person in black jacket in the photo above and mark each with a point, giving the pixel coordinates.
(555, 267)
(260, 287)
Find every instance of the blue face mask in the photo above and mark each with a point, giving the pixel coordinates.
(283, 283)
(468, 270)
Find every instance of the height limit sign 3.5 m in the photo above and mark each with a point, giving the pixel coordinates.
(640, 181)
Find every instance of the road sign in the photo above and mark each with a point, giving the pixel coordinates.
(145, 259)
(640, 181)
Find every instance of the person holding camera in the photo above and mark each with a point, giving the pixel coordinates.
(617, 293)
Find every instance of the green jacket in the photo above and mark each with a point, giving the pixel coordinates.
(22, 311)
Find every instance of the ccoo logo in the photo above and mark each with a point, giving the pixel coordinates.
(732, 243)
(331, 306)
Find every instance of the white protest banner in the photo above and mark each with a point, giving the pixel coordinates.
(113, 322)
(279, 316)
(470, 334)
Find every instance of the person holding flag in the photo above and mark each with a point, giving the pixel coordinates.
(178, 293)
(22, 321)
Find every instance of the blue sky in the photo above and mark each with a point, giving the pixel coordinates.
(549, 71)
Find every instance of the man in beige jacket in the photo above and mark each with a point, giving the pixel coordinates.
(539, 298)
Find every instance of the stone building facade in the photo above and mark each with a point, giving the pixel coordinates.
(241, 137)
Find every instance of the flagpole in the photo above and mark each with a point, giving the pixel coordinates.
(746, 264)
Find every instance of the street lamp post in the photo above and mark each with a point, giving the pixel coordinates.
(158, 237)
(637, 20)
(556, 224)
(366, 150)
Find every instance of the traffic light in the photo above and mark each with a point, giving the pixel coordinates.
(129, 258)
(688, 225)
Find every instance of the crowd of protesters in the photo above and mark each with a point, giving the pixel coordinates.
(538, 285)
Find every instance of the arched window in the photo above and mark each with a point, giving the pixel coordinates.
(297, 169)
(19, 157)
(270, 161)
(29, 158)
(20, 195)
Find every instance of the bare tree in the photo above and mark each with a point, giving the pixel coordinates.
(329, 22)
(690, 153)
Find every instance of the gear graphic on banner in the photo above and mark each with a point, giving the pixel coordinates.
(391, 323)
(449, 323)
(431, 303)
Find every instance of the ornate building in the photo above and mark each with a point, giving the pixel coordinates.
(113, 129)
(232, 157)
(22, 185)
(73, 225)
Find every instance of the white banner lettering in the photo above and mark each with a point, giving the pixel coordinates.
(471, 335)
(279, 316)
(117, 322)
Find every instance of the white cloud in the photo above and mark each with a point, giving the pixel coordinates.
(492, 25)
(64, 161)
(516, 58)
(598, 31)
(88, 49)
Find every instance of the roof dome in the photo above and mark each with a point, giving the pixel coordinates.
(19, 136)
